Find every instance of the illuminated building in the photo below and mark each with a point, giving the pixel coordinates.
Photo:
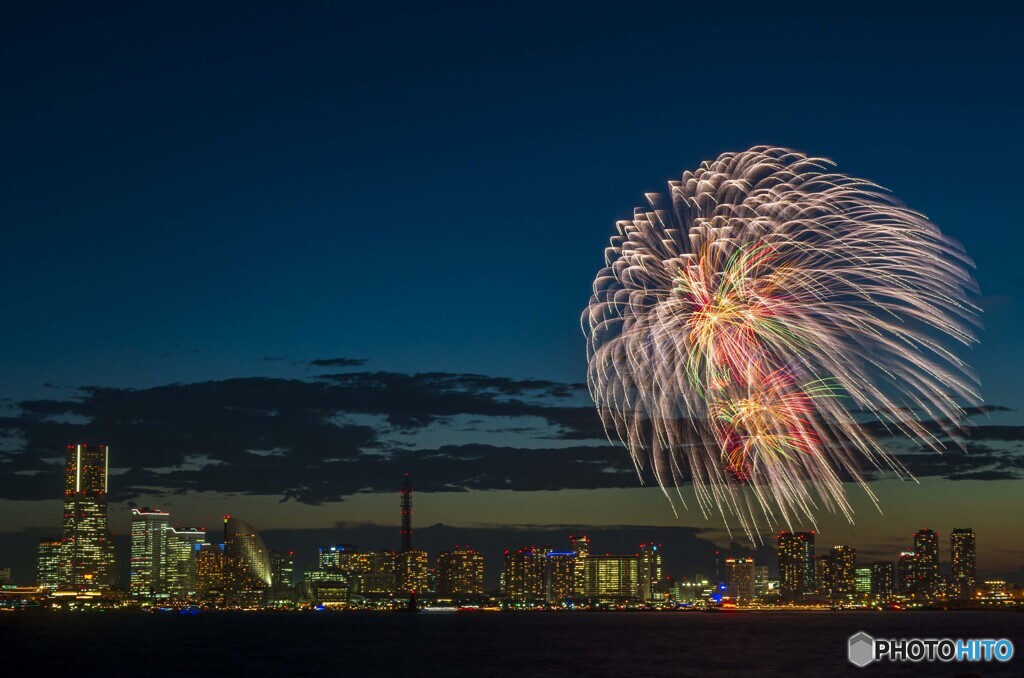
(329, 586)
(796, 564)
(739, 579)
(862, 581)
(87, 555)
(581, 547)
(372, 573)
(559, 576)
(180, 560)
(48, 563)
(961, 546)
(649, 570)
(824, 575)
(147, 576)
(906, 572)
(209, 569)
(883, 580)
(282, 571)
(690, 591)
(331, 556)
(611, 578)
(525, 575)
(412, 572)
(762, 582)
(460, 572)
(246, 564)
(926, 548)
(844, 581)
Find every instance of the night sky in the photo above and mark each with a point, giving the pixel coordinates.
(276, 256)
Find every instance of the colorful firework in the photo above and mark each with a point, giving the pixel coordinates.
(751, 329)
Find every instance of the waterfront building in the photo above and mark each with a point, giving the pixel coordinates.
(460, 572)
(796, 564)
(962, 552)
(246, 564)
(844, 582)
(282, 569)
(180, 549)
(906, 572)
(883, 580)
(147, 577)
(87, 554)
(559, 576)
(525, 575)
(926, 566)
(581, 547)
(48, 556)
(862, 582)
(649, 569)
(412, 570)
(739, 579)
(610, 578)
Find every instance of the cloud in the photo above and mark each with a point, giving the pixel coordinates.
(337, 362)
(338, 434)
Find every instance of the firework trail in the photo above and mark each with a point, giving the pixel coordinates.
(750, 329)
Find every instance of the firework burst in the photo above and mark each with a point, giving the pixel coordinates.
(752, 327)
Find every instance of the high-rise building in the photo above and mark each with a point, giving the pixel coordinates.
(581, 547)
(906, 572)
(649, 570)
(210, 578)
(460, 572)
(180, 560)
(332, 556)
(413, 568)
(796, 563)
(844, 559)
(883, 580)
(926, 548)
(525, 575)
(739, 579)
(762, 581)
(961, 546)
(282, 570)
(611, 578)
(148, 573)
(559, 576)
(48, 563)
(824, 575)
(862, 581)
(246, 564)
(87, 555)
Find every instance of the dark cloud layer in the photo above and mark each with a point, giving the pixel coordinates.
(321, 439)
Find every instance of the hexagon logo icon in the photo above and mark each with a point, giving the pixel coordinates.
(861, 649)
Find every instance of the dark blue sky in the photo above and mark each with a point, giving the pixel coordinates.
(197, 193)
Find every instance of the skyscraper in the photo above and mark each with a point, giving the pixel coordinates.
(524, 575)
(48, 563)
(559, 576)
(246, 563)
(883, 580)
(906, 572)
(460, 572)
(209, 570)
(739, 579)
(926, 548)
(180, 551)
(796, 563)
(581, 547)
(649, 569)
(413, 567)
(148, 574)
(87, 554)
(844, 560)
(961, 546)
(282, 576)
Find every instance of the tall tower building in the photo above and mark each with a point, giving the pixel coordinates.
(581, 547)
(961, 546)
(48, 563)
(406, 514)
(844, 577)
(246, 563)
(906, 572)
(87, 554)
(559, 576)
(650, 570)
(180, 551)
(883, 580)
(796, 563)
(926, 549)
(148, 573)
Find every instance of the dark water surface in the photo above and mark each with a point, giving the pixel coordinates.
(485, 644)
